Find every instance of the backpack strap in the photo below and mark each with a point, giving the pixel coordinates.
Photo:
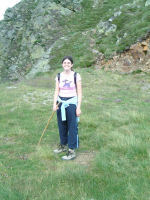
(75, 79)
(58, 76)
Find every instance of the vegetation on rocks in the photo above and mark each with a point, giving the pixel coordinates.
(35, 35)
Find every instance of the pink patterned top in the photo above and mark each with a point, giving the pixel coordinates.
(67, 86)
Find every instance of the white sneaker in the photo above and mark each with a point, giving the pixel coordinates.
(70, 155)
(61, 148)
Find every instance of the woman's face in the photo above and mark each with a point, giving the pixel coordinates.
(67, 64)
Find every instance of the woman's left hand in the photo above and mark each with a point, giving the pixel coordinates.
(78, 112)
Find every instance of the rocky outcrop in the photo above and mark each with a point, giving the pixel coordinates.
(73, 5)
(134, 60)
(28, 32)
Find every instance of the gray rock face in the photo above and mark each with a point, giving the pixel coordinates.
(27, 33)
(74, 5)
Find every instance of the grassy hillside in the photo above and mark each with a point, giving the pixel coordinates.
(92, 29)
(113, 159)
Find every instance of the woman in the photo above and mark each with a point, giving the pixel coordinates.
(68, 93)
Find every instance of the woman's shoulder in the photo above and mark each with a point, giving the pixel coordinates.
(78, 76)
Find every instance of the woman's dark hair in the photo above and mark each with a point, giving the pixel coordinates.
(69, 58)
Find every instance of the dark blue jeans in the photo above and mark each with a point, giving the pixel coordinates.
(68, 130)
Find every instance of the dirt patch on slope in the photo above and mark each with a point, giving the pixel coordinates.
(134, 59)
(85, 158)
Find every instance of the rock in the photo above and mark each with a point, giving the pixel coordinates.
(95, 3)
(9, 14)
(118, 100)
(127, 62)
(26, 34)
(37, 52)
(147, 3)
(73, 5)
(137, 52)
(145, 46)
(144, 43)
(41, 66)
(95, 51)
(118, 13)
(101, 98)
(147, 101)
(106, 28)
(146, 87)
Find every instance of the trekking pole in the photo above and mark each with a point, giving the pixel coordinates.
(47, 124)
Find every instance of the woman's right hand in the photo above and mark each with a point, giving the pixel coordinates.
(55, 107)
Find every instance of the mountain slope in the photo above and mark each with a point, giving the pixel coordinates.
(35, 35)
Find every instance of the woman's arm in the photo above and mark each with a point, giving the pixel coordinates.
(56, 96)
(79, 93)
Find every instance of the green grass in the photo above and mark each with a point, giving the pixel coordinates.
(113, 128)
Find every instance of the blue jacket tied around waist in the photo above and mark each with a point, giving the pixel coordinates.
(65, 104)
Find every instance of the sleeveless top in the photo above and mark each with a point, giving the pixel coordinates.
(67, 87)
